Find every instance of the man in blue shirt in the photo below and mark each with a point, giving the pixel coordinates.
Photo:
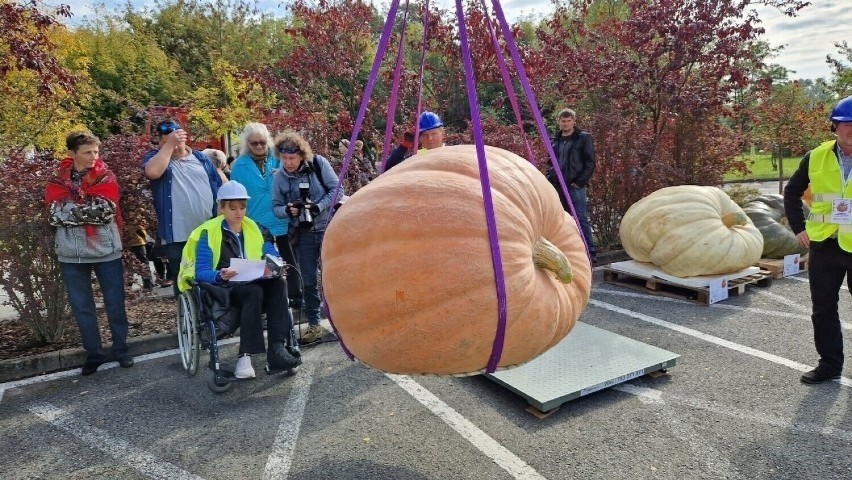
(184, 184)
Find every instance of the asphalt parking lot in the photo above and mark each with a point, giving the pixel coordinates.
(733, 407)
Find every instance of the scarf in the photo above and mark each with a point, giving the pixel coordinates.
(260, 162)
(98, 184)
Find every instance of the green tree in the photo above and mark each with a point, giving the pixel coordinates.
(35, 84)
(124, 73)
(196, 33)
(230, 101)
(841, 81)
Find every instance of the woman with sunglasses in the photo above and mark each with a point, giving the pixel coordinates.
(254, 168)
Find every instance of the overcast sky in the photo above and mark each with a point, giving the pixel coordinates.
(807, 38)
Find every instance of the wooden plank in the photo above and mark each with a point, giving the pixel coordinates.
(666, 288)
(776, 266)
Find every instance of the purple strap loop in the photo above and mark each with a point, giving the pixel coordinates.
(425, 48)
(490, 220)
(542, 131)
(507, 82)
(392, 101)
(365, 100)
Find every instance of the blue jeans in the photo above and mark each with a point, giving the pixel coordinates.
(78, 283)
(581, 206)
(307, 250)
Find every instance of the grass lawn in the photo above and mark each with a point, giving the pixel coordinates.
(761, 168)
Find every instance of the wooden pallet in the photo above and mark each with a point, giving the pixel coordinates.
(776, 267)
(666, 288)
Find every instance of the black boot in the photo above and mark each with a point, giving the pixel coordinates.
(280, 357)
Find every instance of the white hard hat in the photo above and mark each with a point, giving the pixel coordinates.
(232, 190)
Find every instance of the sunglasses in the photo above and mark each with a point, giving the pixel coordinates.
(258, 143)
(167, 128)
(283, 149)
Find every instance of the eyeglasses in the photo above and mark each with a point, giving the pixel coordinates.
(258, 143)
(286, 149)
(167, 128)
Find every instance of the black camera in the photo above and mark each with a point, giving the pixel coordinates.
(305, 217)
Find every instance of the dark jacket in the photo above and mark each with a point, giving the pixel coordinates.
(323, 181)
(396, 157)
(576, 156)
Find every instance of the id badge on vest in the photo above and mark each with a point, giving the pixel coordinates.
(841, 211)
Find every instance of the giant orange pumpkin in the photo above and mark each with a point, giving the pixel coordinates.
(407, 271)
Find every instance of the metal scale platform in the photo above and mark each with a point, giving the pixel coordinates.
(589, 359)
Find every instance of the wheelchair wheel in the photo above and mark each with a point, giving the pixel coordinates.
(188, 340)
(214, 386)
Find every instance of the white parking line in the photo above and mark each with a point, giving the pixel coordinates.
(650, 395)
(715, 462)
(783, 300)
(507, 460)
(720, 306)
(76, 371)
(805, 280)
(281, 457)
(712, 339)
(774, 313)
(117, 448)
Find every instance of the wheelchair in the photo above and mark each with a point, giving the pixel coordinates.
(197, 330)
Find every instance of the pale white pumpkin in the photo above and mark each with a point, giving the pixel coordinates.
(691, 230)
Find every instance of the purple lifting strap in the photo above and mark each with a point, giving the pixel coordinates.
(365, 100)
(525, 83)
(507, 82)
(392, 101)
(425, 48)
(490, 220)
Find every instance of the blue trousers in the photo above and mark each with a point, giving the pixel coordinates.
(581, 206)
(78, 283)
(307, 249)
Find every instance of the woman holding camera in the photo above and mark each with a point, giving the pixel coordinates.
(302, 193)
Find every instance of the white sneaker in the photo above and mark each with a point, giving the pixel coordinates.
(244, 368)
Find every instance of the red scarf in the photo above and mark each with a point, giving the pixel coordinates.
(98, 181)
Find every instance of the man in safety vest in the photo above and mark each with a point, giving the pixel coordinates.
(827, 232)
(431, 136)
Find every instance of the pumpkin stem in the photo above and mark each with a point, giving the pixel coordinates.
(731, 219)
(547, 257)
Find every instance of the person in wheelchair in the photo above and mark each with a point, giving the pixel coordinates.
(207, 258)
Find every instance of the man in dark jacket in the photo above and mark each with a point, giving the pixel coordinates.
(827, 233)
(576, 155)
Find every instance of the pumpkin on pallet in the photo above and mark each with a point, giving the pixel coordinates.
(690, 230)
(407, 270)
(767, 214)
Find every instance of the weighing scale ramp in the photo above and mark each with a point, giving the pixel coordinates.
(587, 360)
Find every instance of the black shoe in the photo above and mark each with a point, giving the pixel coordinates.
(126, 362)
(820, 374)
(281, 357)
(90, 368)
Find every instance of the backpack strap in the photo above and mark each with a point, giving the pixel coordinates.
(318, 172)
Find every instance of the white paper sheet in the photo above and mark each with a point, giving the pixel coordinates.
(247, 270)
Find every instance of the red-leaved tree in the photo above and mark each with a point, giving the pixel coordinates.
(320, 82)
(652, 81)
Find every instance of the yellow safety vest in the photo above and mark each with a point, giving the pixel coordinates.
(213, 227)
(827, 184)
